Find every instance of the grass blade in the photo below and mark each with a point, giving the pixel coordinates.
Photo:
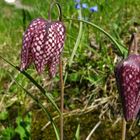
(77, 135)
(120, 47)
(77, 40)
(42, 90)
(39, 104)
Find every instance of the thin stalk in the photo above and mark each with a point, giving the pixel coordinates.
(93, 130)
(135, 44)
(123, 129)
(60, 71)
(59, 10)
(62, 98)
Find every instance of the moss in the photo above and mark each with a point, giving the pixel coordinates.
(86, 121)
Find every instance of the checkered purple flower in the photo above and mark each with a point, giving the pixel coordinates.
(127, 74)
(42, 44)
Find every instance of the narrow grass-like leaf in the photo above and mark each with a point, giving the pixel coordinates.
(76, 44)
(93, 130)
(120, 47)
(77, 40)
(77, 135)
(42, 90)
(39, 104)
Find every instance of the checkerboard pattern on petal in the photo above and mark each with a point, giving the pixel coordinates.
(42, 44)
(128, 80)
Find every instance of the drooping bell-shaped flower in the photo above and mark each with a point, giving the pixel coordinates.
(128, 81)
(42, 44)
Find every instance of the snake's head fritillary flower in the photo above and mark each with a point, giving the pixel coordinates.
(128, 81)
(42, 44)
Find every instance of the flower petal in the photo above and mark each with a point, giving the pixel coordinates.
(54, 45)
(77, 1)
(84, 5)
(26, 52)
(78, 6)
(37, 48)
(94, 9)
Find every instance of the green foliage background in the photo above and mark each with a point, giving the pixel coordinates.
(90, 89)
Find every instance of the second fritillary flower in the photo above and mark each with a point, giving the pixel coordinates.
(127, 74)
(128, 81)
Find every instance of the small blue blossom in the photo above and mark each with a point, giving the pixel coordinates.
(94, 9)
(78, 1)
(77, 6)
(84, 5)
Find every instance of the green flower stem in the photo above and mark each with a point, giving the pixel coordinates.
(59, 10)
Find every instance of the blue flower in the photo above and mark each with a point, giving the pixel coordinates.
(77, 6)
(94, 9)
(78, 1)
(84, 5)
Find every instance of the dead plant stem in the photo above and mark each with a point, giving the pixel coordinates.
(62, 98)
(123, 128)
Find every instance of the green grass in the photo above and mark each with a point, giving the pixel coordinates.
(89, 79)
